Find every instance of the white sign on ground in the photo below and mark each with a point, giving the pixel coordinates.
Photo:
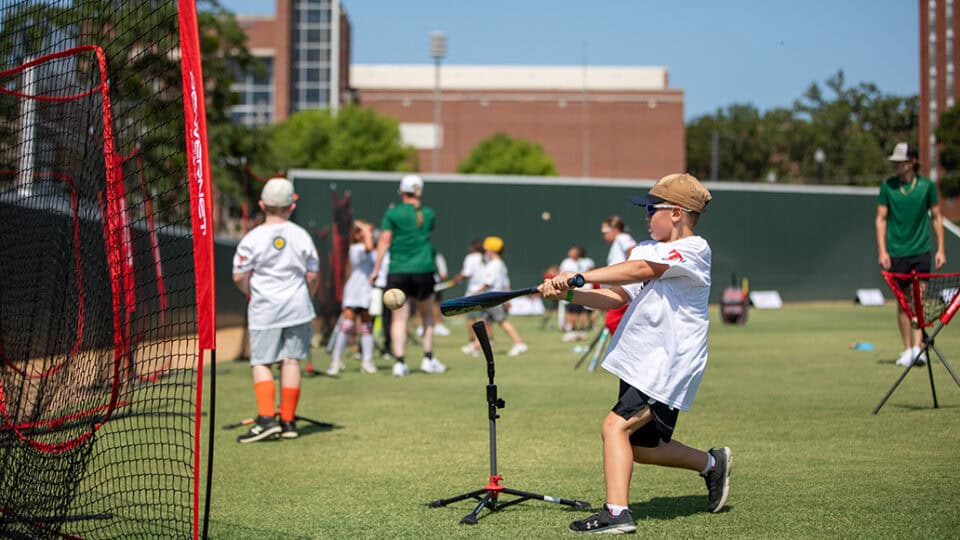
(766, 299)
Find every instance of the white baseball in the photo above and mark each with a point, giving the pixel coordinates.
(394, 299)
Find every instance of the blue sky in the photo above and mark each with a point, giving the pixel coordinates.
(719, 52)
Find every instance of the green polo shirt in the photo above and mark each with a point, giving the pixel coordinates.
(410, 249)
(908, 221)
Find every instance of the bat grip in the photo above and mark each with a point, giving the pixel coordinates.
(576, 281)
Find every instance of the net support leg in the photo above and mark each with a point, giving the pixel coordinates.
(944, 362)
(892, 388)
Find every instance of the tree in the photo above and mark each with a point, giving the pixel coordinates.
(501, 154)
(855, 127)
(353, 138)
(139, 40)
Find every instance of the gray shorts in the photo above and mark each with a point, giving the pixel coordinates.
(273, 345)
(496, 314)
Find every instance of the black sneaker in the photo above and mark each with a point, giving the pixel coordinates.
(718, 479)
(288, 430)
(605, 522)
(265, 427)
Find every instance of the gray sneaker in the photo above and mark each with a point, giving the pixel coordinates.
(603, 522)
(718, 479)
(266, 427)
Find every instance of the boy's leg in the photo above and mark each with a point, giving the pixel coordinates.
(296, 346)
(714, 466)
(264, 389)
(618, 454)
(672, 454)
(511, 331)
(289, 388)
(264, 346)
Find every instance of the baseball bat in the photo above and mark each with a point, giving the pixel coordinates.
(444, 285)
(476, 302)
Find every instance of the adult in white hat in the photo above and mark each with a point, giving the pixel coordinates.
(405, 233)
(907, 206)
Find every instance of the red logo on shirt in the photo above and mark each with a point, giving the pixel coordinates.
(675, 256)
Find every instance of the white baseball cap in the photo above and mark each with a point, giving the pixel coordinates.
(903, 152)
(411, 183)
(278, 192)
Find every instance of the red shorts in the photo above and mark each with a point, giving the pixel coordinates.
(613, 318)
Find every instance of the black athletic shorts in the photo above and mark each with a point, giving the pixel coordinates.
(632, 402)
(416, 286)
(904, 265)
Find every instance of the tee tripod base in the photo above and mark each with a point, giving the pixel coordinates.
(489, 495)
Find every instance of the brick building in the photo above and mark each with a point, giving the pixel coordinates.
(601, 122)
(939, 83)
(305, 50)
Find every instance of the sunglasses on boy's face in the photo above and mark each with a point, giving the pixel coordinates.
(652, 208)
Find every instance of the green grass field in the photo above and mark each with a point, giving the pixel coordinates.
(784, 392)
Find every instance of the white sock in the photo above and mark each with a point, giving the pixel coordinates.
(366, 347)
(339, 345)
(615, 510)
(710, 463)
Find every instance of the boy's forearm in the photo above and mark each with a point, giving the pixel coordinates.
(625, 273)
(600, 298)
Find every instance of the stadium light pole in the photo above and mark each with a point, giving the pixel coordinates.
(438, 49)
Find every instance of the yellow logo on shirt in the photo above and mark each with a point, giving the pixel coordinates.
(279, 243)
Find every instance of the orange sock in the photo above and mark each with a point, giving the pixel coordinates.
(289, 396)
(264, 391)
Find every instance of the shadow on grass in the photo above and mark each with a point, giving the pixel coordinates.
(309, 428)
(672, 507)
(919, 407)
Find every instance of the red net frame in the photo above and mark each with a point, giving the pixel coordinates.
(54, 448)
(925, 297)
(117, 250)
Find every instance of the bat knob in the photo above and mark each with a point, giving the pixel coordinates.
(576, 281)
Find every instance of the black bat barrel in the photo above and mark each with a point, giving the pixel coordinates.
(476, 302)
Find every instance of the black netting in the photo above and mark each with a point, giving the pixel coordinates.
(98, 348)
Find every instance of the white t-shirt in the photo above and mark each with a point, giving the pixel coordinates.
(473, 270)
(495, 275)
(278, 256)
(660, 346)
(356, 291)
(620, 248)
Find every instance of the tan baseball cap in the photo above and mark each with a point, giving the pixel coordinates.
(681, 189)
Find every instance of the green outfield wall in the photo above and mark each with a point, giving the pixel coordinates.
(808, 243)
